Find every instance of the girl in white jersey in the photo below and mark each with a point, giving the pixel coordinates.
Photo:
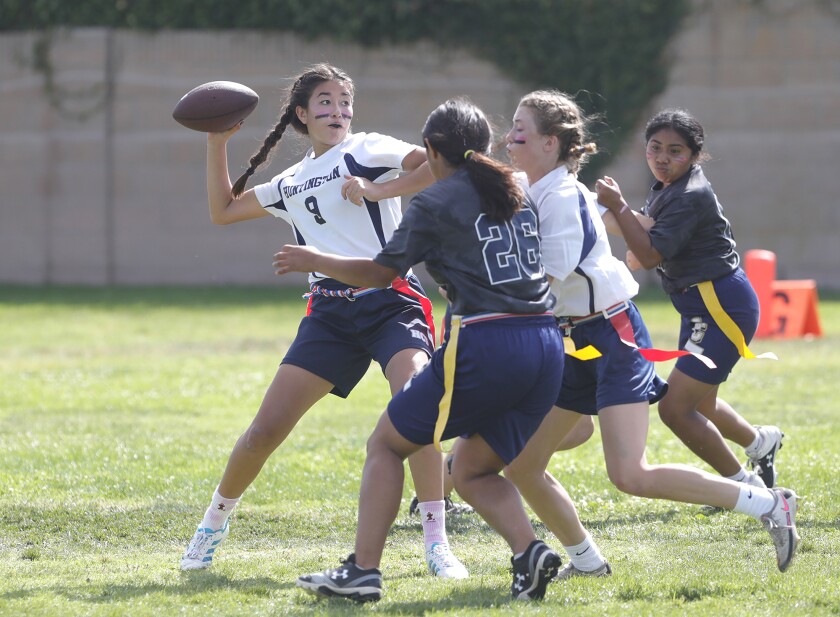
(341, 198)
(594, 291)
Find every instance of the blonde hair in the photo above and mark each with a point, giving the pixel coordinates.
(557, 114)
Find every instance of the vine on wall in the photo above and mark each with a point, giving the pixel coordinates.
(612, 53)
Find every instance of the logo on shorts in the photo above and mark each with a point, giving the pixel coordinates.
(419, 329)
(698, 329)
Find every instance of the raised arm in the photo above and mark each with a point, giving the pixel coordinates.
(225, 210)
(635, 234)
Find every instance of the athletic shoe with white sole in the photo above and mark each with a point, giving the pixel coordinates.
(533, 570)
(780, 522)
(443, 563)
(349, 581)
(753, 479)
(570, 571)
(763, 460)
(199, 553)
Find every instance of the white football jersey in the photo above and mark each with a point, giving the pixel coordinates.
(308, 196)
(575, 247)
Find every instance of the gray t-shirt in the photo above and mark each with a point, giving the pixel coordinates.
(691, 232)
(485, 266)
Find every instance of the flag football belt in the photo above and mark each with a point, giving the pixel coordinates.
(607, 313)
(400, 285)
(350, 294)
(617, 316)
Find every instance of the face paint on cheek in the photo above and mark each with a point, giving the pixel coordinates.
(680, 159)
(347, 116)
(518, 141)
(319, 116)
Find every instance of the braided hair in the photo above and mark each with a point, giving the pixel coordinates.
(298, 96)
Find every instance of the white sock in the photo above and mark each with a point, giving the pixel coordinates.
(585, 556)
(754, 501)
(752, 449)
(740, 476)
(219, 511)
(433, 517)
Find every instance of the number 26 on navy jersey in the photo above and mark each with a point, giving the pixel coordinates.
(511, 249)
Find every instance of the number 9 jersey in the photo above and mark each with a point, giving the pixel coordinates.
(308, 196)
(485, 265)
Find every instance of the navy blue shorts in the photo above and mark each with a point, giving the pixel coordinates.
(507, 376)
(620, 376)
(339, 337)
(699, 332)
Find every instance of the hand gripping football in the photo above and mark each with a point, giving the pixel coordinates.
(215, 106)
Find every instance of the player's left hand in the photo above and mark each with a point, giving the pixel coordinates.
(356, 188)
(293, 258)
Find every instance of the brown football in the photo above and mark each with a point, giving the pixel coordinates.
(215, 106)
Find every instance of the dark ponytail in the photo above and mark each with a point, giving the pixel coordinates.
(460, 132)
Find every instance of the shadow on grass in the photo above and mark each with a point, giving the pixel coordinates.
(189, 583)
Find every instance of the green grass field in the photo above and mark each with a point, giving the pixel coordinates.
(119, 407)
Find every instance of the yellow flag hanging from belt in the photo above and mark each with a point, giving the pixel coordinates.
(586, 353)
(725, 323)
(448, 380)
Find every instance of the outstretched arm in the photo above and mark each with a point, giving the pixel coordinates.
(635, 235)
(359, 271)
(225, 210)
(418, 177)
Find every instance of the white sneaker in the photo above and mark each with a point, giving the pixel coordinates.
(443, 563)
(780, 522)
(753, 479)
(199, 553)
(763, 459)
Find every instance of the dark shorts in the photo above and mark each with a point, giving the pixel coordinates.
(699, 332)
(620, 376)
(508, 372)
(339, 337)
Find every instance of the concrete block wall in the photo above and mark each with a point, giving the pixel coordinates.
(101, 186)
(116, 193)
(764, 79)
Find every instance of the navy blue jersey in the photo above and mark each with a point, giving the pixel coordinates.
(485, 266)
(691, 232)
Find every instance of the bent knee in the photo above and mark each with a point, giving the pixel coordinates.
(580, 434)
(633, 481)
(523, 477)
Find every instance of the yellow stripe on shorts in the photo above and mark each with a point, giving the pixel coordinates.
(448, 380)
(725, 323)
